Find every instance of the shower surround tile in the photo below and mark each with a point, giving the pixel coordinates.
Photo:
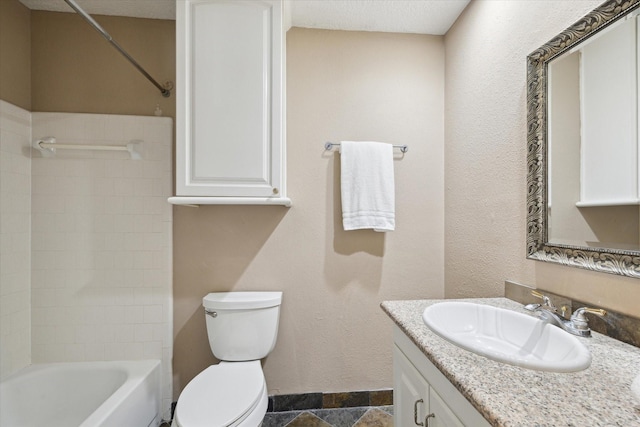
(15, 251)
(101, 242)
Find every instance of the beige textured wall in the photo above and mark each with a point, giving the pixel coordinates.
(15, 53)
(485, 157)
(75, 70)
(350, 86)
(385, 87)
(564, 222)
(333, 335)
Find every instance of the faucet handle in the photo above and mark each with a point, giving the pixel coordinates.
(599, 311)
(545, 299)
(580, 321)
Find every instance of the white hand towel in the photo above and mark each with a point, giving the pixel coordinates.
(367, 186)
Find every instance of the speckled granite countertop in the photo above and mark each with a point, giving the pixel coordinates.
(511, 396)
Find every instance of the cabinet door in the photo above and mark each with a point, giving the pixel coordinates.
(446, 404)
(443, 416)
(410, 392)
(229, 98)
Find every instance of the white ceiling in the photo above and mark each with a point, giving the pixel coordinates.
(402, 16)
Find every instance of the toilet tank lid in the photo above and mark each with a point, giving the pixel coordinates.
(241, 300)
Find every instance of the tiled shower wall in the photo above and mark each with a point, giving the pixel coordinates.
(101, 242)
(15, 255)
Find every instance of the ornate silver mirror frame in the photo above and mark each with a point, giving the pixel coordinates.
(622, 262)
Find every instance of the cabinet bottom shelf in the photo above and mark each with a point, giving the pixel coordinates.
(605, 203)
(258, 201)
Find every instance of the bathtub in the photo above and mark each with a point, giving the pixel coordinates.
(85, 394)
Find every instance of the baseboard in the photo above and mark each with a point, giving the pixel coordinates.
(319, 400)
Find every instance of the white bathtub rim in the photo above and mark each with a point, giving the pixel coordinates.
(137, 371)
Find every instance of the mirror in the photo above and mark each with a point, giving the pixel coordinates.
(583, 200)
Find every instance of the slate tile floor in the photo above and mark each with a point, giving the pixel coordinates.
(367, 416)
(347, 409)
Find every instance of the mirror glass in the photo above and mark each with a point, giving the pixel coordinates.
(583, 202)
(592, 135)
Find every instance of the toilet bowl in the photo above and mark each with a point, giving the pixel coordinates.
(242, 328)
(230, 394)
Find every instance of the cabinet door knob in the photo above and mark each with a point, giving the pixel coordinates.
(426, 420)
(415, 412)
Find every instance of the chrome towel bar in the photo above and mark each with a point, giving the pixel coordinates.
(330, 145)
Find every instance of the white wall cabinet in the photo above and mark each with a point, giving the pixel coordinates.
(422, 395)
(230, 133)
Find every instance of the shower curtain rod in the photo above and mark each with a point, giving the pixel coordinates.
(166, 92)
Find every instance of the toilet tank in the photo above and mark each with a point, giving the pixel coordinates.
(242, 325)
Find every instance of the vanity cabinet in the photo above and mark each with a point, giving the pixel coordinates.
(422, 395)
(417, 402)
(230, 88)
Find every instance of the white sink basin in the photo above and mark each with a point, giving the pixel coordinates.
(507, 336)
(635, 389)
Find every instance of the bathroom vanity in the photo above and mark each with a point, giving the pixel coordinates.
(437, 383)
(422, 394)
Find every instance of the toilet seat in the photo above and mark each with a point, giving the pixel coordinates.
(223, 395)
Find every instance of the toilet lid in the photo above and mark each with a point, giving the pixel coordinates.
(221, 395)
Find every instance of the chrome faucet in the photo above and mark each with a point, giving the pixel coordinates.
(578, 324)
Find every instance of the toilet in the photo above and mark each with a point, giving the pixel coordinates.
(242, 329)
